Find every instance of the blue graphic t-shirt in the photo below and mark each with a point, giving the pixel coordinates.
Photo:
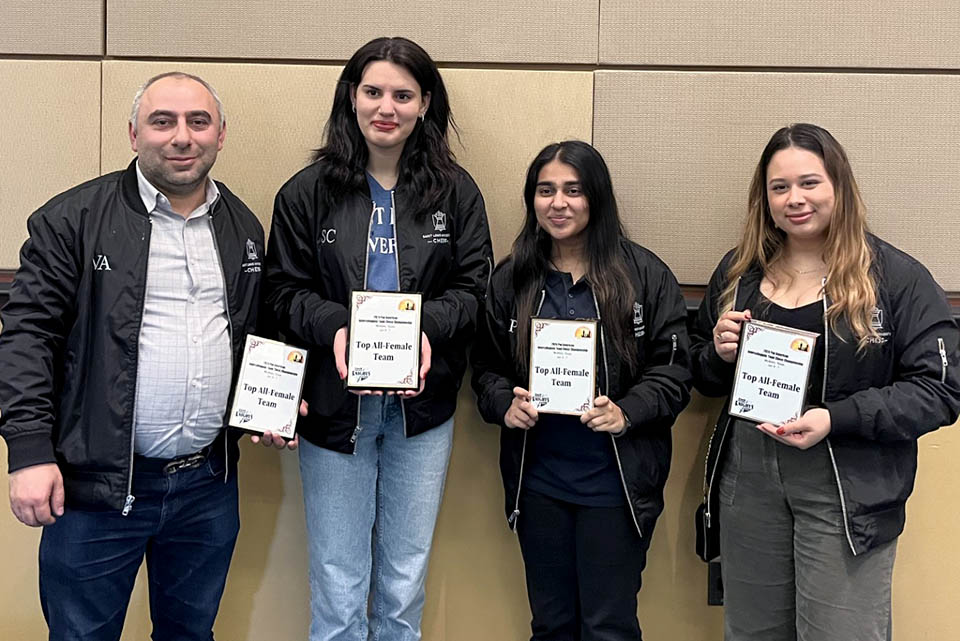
(382, 244)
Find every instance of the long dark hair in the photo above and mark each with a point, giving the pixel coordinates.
(427, 165)
(606, 268)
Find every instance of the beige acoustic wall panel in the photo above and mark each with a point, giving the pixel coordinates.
(50, 138)
(763, 33)
(52, 27)
(275, 115)
(683, 145)
(524, 31)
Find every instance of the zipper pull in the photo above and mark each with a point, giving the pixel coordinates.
(128, 504)
(706, 518)
(673, 348)
(512, 519)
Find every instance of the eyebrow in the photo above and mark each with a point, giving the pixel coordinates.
(378, 87)
(547, 183)
(813, 175)
(171, 114)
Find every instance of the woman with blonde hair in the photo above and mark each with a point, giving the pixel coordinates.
(810, 510)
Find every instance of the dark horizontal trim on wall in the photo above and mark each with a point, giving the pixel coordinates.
(693, 294)
(507, 66)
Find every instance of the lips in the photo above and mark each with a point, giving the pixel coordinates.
(384, 125)
(798, 219)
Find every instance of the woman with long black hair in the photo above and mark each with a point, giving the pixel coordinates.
(384, 206)
(810, 510)
(583, 492)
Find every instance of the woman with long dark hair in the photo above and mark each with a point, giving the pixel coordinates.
(583, 492)
(384, 206)
(810, 510)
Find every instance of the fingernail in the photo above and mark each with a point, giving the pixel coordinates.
(780, 431)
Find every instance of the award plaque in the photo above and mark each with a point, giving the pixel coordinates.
(267, 396)
(562, 365)
(773, 368)
(384, 347)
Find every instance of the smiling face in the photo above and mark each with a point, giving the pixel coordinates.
(560, 204)
(388, 101)
(800, 194)
(178, 135)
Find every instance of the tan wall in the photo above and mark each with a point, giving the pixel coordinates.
(681, 140)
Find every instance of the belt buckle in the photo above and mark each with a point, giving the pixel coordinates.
(184, 463)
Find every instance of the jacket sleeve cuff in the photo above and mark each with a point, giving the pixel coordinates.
(330, 325)
(29, 449)
(844, 417)
(431, 328)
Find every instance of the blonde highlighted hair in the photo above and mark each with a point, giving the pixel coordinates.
(850, 285)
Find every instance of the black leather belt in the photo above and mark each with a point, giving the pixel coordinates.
(171, 465)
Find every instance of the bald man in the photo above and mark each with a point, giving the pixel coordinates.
(126, 317)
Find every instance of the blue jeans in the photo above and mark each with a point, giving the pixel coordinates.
(370, 519)
(185, 523)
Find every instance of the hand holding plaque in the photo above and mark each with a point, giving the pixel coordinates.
(773, 368)
(383, 352)
(267, 395)
(562, 365)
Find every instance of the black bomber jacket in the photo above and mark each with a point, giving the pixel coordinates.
(71, 327)
(904, 384)
(317, 256)
(652, 398)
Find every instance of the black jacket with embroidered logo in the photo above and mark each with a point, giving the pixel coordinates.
(652, 398)
(69, 346)
(317, 256)
(881, 400)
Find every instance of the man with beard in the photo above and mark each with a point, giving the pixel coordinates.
(126, 317)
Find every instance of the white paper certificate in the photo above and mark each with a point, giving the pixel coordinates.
(267, 396)
(384, 348)
(562, 365)
(773, 367)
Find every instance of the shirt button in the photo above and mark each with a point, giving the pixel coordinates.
(196, 339)
(569, 295)
(192, 299)
(572, 313)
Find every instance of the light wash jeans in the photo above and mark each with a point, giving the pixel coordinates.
(788, 572)
(370, 519)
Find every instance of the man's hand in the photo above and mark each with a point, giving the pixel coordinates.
(36, 494)
(268, 438)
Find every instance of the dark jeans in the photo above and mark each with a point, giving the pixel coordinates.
(583, 568)
(185, 523)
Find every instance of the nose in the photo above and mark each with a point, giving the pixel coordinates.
(796, 196)
(386, 108)
(181, 134)
(559, 200)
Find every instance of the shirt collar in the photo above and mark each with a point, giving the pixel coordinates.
(153, 199)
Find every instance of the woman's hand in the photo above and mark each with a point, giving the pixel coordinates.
(340, 360)
(426, 353)
(521, 413)
(606, 416)
(726, 334)
(803, 433)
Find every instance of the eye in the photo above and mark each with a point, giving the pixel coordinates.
(403, 96)
(372, 92)
(810, 182)
(545, 191)
(778, 189)
(574, 191)
(199, 123)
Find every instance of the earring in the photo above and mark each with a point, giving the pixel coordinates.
(423, 116)
(353, 106)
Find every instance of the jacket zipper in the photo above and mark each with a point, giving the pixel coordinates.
(130, 498)
(606, 382)
(823, 400)
(673, 348)
(515, 515)
(226, 307)
(396, 257)
(366, 266)
(943, 359)
(708, 489)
